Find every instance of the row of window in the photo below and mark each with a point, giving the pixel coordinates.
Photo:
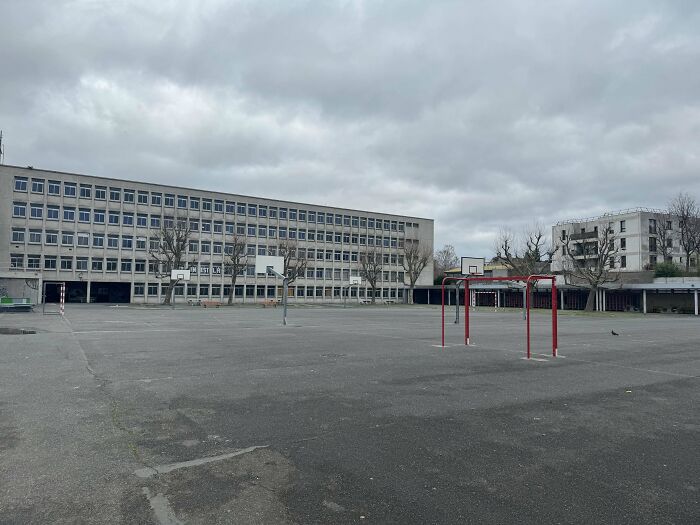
(85, 191)
(99, 264)
(251, 291)
(83, 238)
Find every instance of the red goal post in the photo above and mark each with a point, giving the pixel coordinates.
(528, 280)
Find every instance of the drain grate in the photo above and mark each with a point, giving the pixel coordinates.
(16, 331)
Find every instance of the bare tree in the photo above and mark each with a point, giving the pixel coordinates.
(415, 259)
(295, 261)
(529, 253)
(170, 252)
(685, 210)
(588, 259)
(663, 229)
(444, 259)
(371, 269)
(236, 259)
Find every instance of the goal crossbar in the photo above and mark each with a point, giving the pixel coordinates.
(528, 280)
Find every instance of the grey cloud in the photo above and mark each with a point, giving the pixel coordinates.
(479, 114)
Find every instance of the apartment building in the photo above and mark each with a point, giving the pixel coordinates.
(95, 233)
(643, 237)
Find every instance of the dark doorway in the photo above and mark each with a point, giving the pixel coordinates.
(76, 292)
(110, 292)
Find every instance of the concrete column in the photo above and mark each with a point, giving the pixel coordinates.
(561, 299)
(605, 300)
(696, 302)
(644, 301)
(87, 300)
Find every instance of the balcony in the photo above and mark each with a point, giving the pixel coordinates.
(584, 235)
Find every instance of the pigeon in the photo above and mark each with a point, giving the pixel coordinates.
(613, 332)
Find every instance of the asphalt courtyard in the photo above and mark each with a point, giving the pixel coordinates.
(153, 415)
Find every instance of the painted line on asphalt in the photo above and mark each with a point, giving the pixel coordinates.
(164, 469)
(164, 513)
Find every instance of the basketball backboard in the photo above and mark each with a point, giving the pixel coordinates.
(473, 265)
(355, 280)
(179, 275)
(262, 262)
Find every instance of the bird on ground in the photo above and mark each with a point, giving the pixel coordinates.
(613, 332)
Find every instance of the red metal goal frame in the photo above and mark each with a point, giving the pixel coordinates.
(528, 280)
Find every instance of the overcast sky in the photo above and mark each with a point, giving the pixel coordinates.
(479, 114)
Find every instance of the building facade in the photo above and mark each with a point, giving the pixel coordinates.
(643, 238)
(95, 234)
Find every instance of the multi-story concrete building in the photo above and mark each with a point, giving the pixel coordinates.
(643, 237)
(95, 234)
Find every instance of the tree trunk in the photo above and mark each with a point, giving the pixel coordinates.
(374, 296)
(590, 302)
(410, 294)
(232, 291)
(169, 293)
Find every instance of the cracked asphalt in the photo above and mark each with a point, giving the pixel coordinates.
(163, 416)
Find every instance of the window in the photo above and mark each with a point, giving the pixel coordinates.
(129, 196)
(169, 200)
(273, 212)
(115, 194)
(262, 211)
(128, 242)
(312, 216)
(370, 223)
(292, 214)
(18, 235)
(652, 244)
(230, 207)
(125, 265)
(33, 262)
(219, 206)
(356, 222)
(139, 288)
(302, 215)
(338, 220)
(206, 204)
(83, 239)
(140, 266)
(182, 201)
(21, 184)
(69, 189)
(100, 193)
(283, 213)
(52, 213)
(141, 220)
(206, 226)
(111, 265)
(194, 203)
(669, 225)
(96, 265)
(128, 219)
(19, 209)
(623, 243)
(113, 241)
(142, 197)
(67, 238)
(346, 220)
(66, 263)
(262, 231)
(194, 225)
(49, 262)
(153, 289)
(229, 228)
(114, 217)
(283, 232)
(272, 232)
(155, 221)
(156, 199)
(98, 240)
(193, 246)
(37, 211)
(140, 243)
(240, 228)
(251, 230)
(81, 264)
(218, 227)
(85, 191)
(68, 214)
(206, 247)
(623, 261)
(218, 248)
(35, 236)
(38, 186)
(292, 233)
(99, 216)
(54, 187)
(623, 227)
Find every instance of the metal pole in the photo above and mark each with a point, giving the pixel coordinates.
(527, 309)
(555, 338)
(442, 311)
(524, 302)
(285, 291)
(696, 302)
(457, 302)
(644, 301)
(466, 312)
